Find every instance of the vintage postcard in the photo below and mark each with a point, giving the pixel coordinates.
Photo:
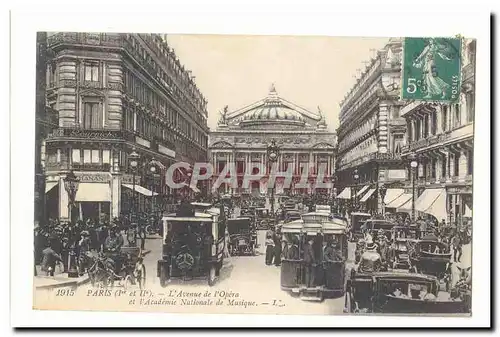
(254, 174)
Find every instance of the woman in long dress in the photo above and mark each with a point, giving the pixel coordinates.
(434, 84)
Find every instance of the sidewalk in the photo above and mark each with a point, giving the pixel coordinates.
(61, 280)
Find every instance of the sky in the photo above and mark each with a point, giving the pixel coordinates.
(237, 70)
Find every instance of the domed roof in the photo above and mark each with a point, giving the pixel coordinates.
(272, 109)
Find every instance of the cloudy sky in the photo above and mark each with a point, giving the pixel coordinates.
(309, 71)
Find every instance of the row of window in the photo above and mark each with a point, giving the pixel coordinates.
(451, 118)
(148, 128)
(143, 93)
(429, 168)
(174, 67)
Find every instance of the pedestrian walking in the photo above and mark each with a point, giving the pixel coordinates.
(277, 250)
(457, 247)
(269, 249)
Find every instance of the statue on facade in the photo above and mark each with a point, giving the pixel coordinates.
(321, 122)
(223, 116)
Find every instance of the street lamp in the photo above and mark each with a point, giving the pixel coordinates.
(355, 177)
(133, 160)
(273, 152)
(152, 170)
(382, 190)
(71, 184)
(413, 164)
(333, 178)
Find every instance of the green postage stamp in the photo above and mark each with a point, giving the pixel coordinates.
(431, 69)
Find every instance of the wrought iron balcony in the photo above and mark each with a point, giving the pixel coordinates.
(91, 167)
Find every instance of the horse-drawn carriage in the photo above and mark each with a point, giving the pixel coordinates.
(125, 267)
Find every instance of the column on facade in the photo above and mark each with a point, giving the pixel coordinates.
(462, 165)
(311, 165)
(439, 120)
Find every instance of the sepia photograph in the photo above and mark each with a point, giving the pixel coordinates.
(187, 173)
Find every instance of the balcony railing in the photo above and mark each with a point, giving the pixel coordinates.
(91, 167)
(459, 132)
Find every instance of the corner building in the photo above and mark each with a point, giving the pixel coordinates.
(243, 135)
(441, 136)
(116, 93)
(371, 133)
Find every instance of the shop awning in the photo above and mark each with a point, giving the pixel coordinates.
(438, 207)
(427, 198)
(93, 192)
(467, 212)
(362, 190)
(141, 190)
(50, 185)
(400, 201)
(345, 194)
(368, 194)
(391, 194)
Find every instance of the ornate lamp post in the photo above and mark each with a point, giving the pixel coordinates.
(382, 190)
(71, 184)
(355, 177)
(152, 170)
(413, 164)
(273, 152)
(333, 178)
(133, 160)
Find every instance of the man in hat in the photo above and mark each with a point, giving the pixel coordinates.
(382, 243)
(50, 258)
(292, 252)
(310, 262)
(370, 260)
(332, 253)
(82, 248)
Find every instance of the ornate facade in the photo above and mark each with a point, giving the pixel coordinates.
(116, 93)
(371, 131)
(242, 137)
(442, 138)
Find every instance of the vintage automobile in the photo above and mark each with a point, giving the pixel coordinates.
(357, 220)
(291, 216)
(242, 236)
(398, 252)
(373, 226)
(398, 292)
(193, 244)
(263, 218)
(429, 256)
(325, 277)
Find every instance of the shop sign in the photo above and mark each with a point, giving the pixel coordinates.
(93, 178)
(166, 151)
(431, 69)
(142, 142)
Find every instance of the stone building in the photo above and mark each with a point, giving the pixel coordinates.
(371, 133)
(441, 136)
(243, 135)
(116, 93)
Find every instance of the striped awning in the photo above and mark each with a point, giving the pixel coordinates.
(368, 194)
(391, 194)
(400, 201)
(362, 190)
